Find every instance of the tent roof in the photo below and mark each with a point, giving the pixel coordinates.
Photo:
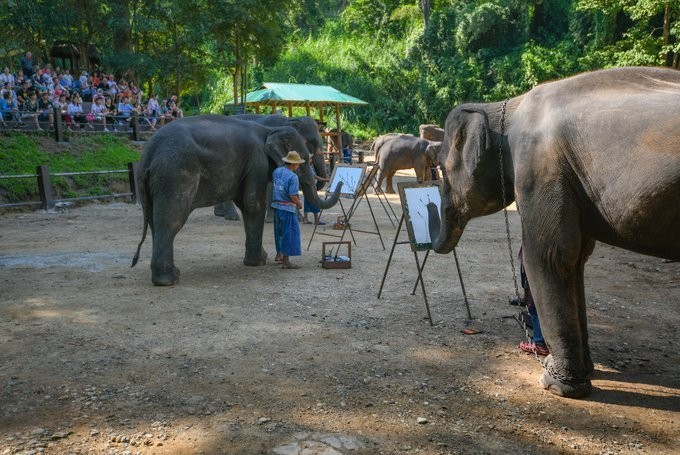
(278, 94)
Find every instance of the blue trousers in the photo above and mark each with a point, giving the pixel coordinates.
(537, 333)
(287, 233)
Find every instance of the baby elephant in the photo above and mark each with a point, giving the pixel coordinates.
(406, 152)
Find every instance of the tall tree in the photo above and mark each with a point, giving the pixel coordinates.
(234, 32)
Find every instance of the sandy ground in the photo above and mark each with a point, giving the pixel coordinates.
(242, 360)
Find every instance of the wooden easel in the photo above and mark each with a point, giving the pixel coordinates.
(347, 214)
(415, 246)
(372, 179)
(418, 267)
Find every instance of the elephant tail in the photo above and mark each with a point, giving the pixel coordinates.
(147, 210)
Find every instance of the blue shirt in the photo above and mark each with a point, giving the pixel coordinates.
(285, 184)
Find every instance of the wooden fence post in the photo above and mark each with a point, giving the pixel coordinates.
(135, 126)
(58, 125)
(45, 187)
(132, 175)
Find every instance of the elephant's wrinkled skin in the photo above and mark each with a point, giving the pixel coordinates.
(592, 157)
(202, 160)
(406, 152)
(308, 129)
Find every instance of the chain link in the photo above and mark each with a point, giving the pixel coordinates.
(520, 316)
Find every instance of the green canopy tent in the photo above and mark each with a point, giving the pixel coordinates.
(279, 95)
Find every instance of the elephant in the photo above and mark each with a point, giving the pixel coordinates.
(406, 152)
(431, 132)
(381, 140)
(307, 128)
(206, 159)
(594, 157)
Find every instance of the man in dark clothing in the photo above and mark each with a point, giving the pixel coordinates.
(27, 64)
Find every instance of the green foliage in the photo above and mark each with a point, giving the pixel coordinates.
(378, 50)
(21, 155)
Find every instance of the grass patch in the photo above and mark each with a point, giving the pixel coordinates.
(21, 154)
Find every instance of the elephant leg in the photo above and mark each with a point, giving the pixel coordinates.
(253, 210)
(555, 254)
(388, 187)
(269, 216)
(169, 216)
(227, 210)
(379, 179)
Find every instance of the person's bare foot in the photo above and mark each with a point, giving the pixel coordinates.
(289, 265)
(278, 258)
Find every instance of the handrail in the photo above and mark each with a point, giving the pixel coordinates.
(45, 188)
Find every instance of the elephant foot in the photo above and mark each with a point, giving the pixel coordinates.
(255, 262)
(563, 385)
(165, 276)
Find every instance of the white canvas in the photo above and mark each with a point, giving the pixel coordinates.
(417, 199)
(350, 176)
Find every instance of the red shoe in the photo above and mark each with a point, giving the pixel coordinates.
(540, 349)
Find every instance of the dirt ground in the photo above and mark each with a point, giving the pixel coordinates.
(259, 360)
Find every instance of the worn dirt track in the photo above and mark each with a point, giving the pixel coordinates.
(243, 360)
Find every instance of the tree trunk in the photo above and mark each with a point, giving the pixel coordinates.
(426, 11)
(122, 31)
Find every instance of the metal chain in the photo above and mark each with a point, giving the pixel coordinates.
(520, 316)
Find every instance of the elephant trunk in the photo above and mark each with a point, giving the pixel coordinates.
(445, 232)
(319, 167)
(308, 186)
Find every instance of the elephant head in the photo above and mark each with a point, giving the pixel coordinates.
(432, 152)
(309, 130)
(469, 159)
(277, 145)
(306, 127)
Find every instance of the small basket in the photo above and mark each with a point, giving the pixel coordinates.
(332, 257)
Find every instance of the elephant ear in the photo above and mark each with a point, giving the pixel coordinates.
(277, 145)
(473, 134)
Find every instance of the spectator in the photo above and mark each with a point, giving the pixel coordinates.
(123, 89)
(31, 109)
(69, 79)
(134, 90)
(45, 107)
(22, 94)
(110, 110)
(9, 109)
(62, 104)
(112, 87)
(125, 110)
(153, 112)
(75, 110)
(98, 112)
(173, 110)
(95, 80)
(27, 64)
(6, 77)
(20, 77)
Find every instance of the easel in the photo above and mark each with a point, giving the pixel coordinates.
(358, 193)
(372, 179)
(416, 245)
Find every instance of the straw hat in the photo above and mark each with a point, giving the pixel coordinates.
(293, 157)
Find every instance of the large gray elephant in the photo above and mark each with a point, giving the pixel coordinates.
(431, 132)
(307, 128)
(381, 140)
(592, 157)
(406, 152)
(200, 161)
